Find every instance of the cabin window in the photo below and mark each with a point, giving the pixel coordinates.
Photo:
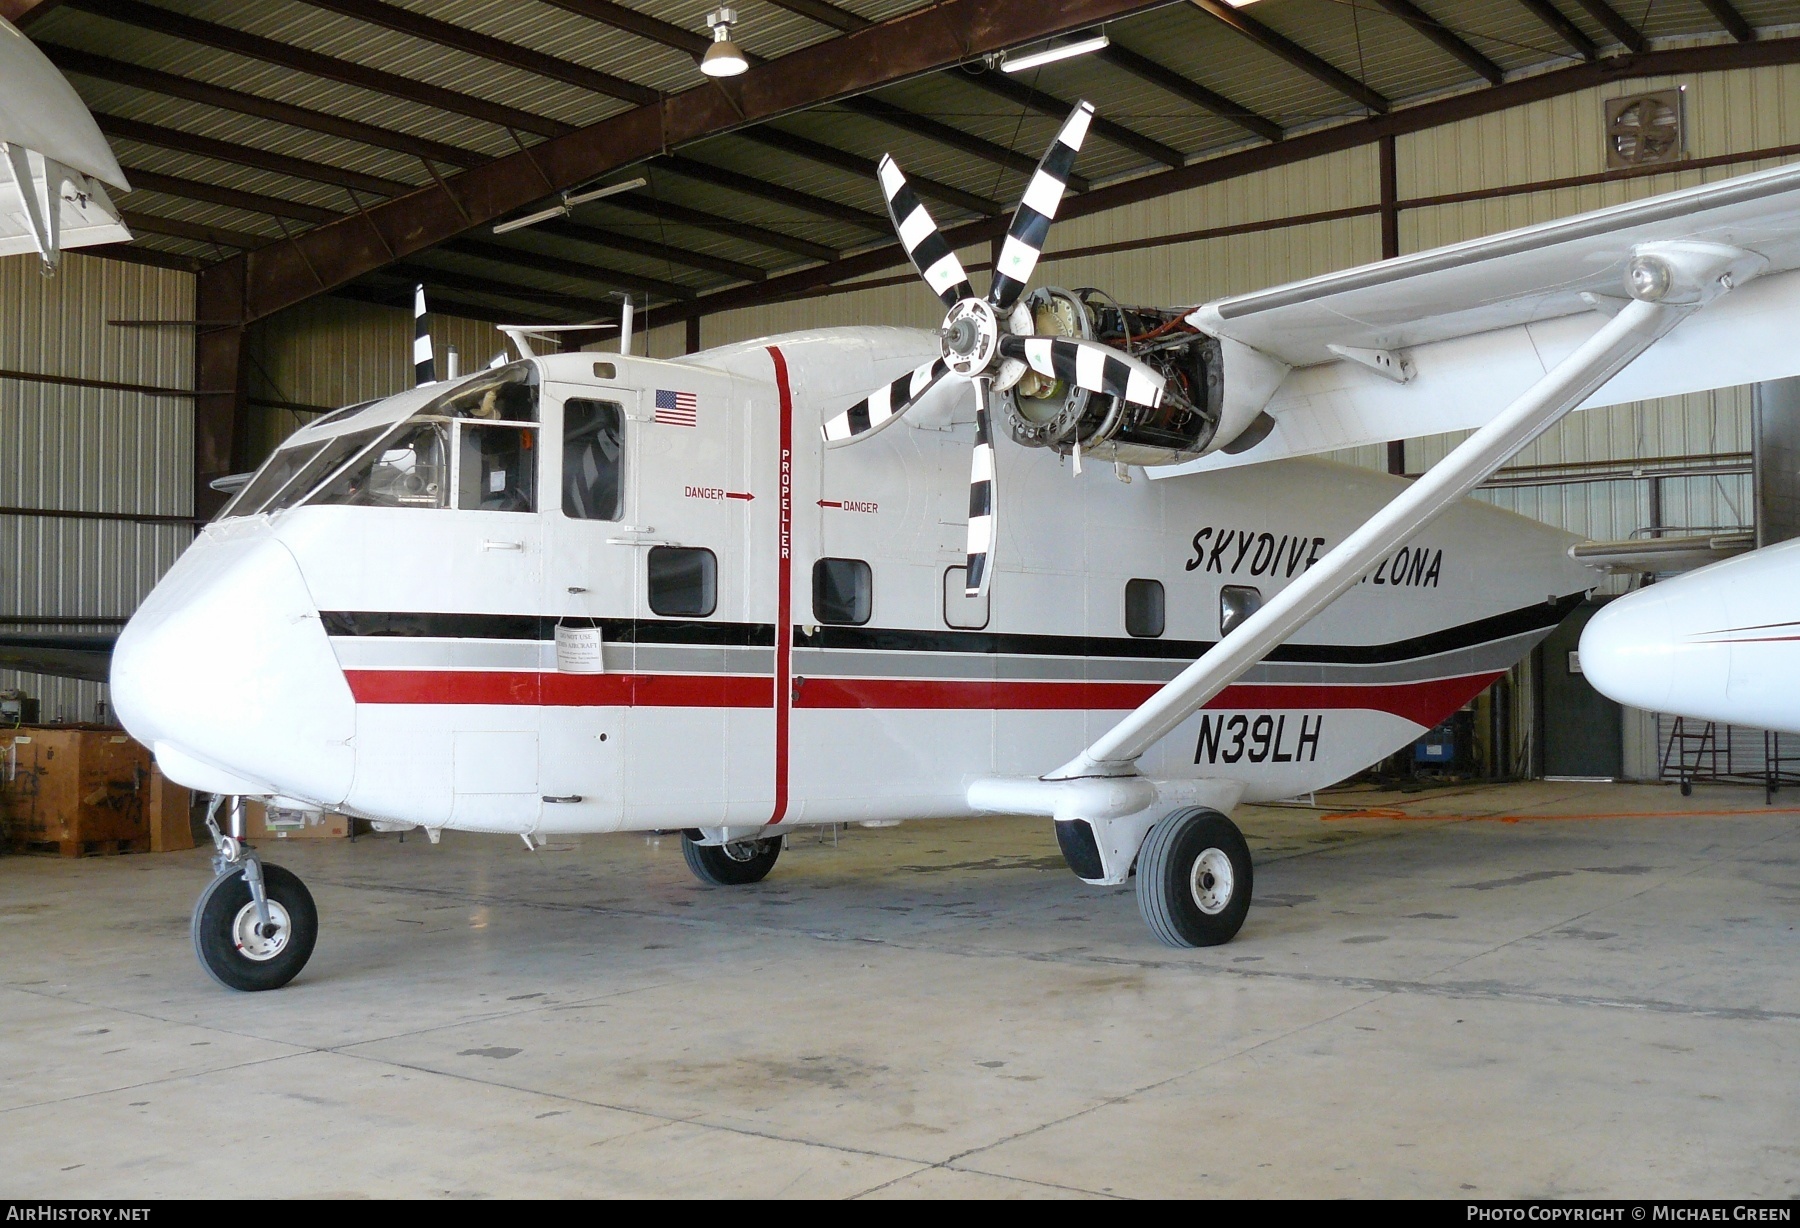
(1144, 608)
(590, 460)
(1236, 603)
(843, 592)
(684, 581)
(960, 609)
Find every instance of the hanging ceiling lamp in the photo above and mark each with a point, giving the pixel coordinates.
(724, 58)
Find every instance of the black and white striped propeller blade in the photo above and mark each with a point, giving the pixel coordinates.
(883, 405)
(925, 244)
(982, 502)
(424, 363)
(1031, 220)
(1089, 365)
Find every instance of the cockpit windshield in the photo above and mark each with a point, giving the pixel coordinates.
(474, 446)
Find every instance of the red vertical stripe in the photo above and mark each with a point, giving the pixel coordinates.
(784, 599)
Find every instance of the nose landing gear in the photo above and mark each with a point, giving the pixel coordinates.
(255, 924)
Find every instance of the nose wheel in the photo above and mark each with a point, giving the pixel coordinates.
(255, 924)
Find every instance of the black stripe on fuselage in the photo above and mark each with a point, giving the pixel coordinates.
(901, 639)
(357, 623)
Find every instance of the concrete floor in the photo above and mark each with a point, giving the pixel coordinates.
(1424, 1002)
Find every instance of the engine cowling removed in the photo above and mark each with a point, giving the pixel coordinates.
(1042, 412)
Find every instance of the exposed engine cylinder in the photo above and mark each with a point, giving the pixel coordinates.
(1042, 412)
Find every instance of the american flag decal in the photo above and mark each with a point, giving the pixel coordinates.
(677, 408)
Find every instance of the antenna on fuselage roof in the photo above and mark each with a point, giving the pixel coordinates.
(520, 334)
(424, 362)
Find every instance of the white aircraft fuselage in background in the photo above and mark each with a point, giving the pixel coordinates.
(1721, 643)
(400, 662)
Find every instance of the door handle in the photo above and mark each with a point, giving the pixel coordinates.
(564, 801)
(494, 545)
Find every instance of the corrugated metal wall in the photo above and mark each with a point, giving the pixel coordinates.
(87, 449)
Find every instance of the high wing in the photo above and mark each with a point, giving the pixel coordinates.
(1445, 339)
(87, 656)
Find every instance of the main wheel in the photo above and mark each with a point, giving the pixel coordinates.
(231, 942)
(1194, 879)
(731, 865)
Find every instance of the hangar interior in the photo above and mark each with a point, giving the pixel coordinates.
(297, 167)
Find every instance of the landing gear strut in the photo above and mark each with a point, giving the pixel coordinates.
(1193, 879)
(255, 924)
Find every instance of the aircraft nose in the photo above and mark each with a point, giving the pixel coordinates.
(225, 672)
(1628, 652)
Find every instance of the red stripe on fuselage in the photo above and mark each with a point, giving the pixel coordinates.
(1423, 703)
(784, 577)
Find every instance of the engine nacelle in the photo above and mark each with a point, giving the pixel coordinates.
(1201, 410)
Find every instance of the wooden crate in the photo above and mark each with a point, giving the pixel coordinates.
(171, 827)
(74, 789)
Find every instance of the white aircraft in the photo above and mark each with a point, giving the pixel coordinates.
(597, 593)
(53, 160)
(1721, 643)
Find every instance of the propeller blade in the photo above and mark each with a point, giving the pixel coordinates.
(1031, 220)
(883, 405)
(981, 493)
(424, 364)
(925, 244)
(1090, 365)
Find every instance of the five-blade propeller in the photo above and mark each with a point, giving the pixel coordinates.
(979, 343)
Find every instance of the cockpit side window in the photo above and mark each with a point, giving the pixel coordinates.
(318, 463)
(411, 468)
(498, 467)
(590, 461)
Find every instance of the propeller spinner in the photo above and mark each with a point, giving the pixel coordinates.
(987, 340)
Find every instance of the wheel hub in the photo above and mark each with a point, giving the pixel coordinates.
(1211, 881)
(248, 936)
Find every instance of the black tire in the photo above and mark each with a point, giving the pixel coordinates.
(731, 865)
(221, 913)
(1185, 900)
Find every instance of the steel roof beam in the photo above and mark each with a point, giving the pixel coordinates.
(1167, 79)
(1442, 37)
(118, 71)
(432, 275)
(903, 47)
(946, 134)
(347, 72)
(247, 155)
(400, 298)
(1731, 19)
(235, 198)
(502, 253)
(1014, 91)
(23, 12)
(1279, 45)
(1564, 29)
(578, 232)
(219, 236)
(749, 185)
(446, 34)
(746, 232)
(856, 164)
(1616, 25)
(694, 43)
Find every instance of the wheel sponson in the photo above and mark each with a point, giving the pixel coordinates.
(714, 866)
(218, 907)
(1165, 896)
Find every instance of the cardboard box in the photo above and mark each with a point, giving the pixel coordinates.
(171, 814)
(291, 825)
(82, 788)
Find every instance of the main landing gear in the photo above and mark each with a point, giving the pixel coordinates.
(1194, 879)
(731, 864)
(255, 924)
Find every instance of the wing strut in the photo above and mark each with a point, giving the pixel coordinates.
(1668, 282)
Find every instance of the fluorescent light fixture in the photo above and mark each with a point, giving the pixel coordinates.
(724, 58)
(568, 202)
(1049, 53)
